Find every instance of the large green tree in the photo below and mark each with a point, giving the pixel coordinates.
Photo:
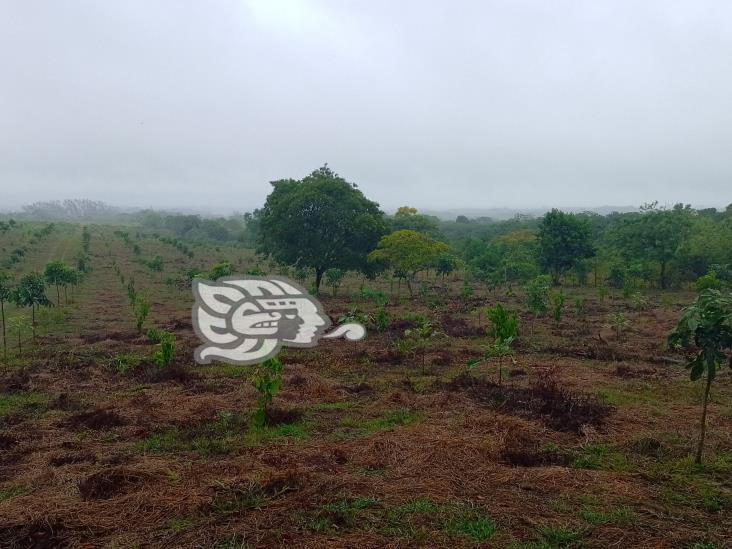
(564, 240)
(320, 222)
(657, 234)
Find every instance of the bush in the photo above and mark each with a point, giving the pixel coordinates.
(537, 291)
(708, 281)
(163, 357)
(504, 323)
(267, 380)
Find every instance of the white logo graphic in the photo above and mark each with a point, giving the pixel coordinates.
(247, 319)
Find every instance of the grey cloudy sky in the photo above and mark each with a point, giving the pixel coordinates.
(519, 103)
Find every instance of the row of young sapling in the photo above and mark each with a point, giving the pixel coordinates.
(30, 291)
(140, 305)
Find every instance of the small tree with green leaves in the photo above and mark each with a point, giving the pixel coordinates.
(602, 293)
(558, 300)
(537, 292)
(618, 322)
(72, 278)
(220, 270)
(18, 324)
(580, 306)
(55, 275)
(705, 326)
(420, 338)
(498, 348)
(6, 294)
(85, 238)
(163, 357)
(267, 380)
(156, 265)
(131, 292)
(31, 292)
(141, 308)
(504, 323)
(334, 279)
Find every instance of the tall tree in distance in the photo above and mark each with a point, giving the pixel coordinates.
(320, 222)
(657, 234)
(564, 240)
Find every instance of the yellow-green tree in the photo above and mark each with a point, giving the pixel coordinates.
(408, 252)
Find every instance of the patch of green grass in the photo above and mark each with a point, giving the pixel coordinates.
(208, 439)
(22, 402)
(228, 371)
(125, 363)
(551, 537)
(456, 520)
(623, 515)
(390, 420)
(177, 525)
(686, 484)
(340, 514)
(249, 495)
(476, 528)
(354, 427)
(329, 406)
(600, 456)
(12, 492)
(259, 435)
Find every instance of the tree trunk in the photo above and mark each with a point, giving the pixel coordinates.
(409, 287)
(663, 275)
(318, 278)
(702, 433)
(33, 321)
(58, 296)
(5, 340)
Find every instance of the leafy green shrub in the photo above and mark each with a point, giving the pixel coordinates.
(267, 381)
(141, 308)
(504, 323)
(163, 357)
(640, 302)
(378, 297)
(708, 281)
(602, 293)
(537, 292)
(618, 322)
(334, 279)
(581, 307)
(225, 268)
(381, 320)
(557, 306)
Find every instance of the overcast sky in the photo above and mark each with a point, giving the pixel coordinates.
(449, 104)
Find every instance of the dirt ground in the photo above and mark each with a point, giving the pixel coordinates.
(585, 442)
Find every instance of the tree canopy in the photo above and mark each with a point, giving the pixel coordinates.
(564, 240)
(409, 252)
(319, 222)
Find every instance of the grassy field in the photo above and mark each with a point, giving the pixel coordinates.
(586, 442)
